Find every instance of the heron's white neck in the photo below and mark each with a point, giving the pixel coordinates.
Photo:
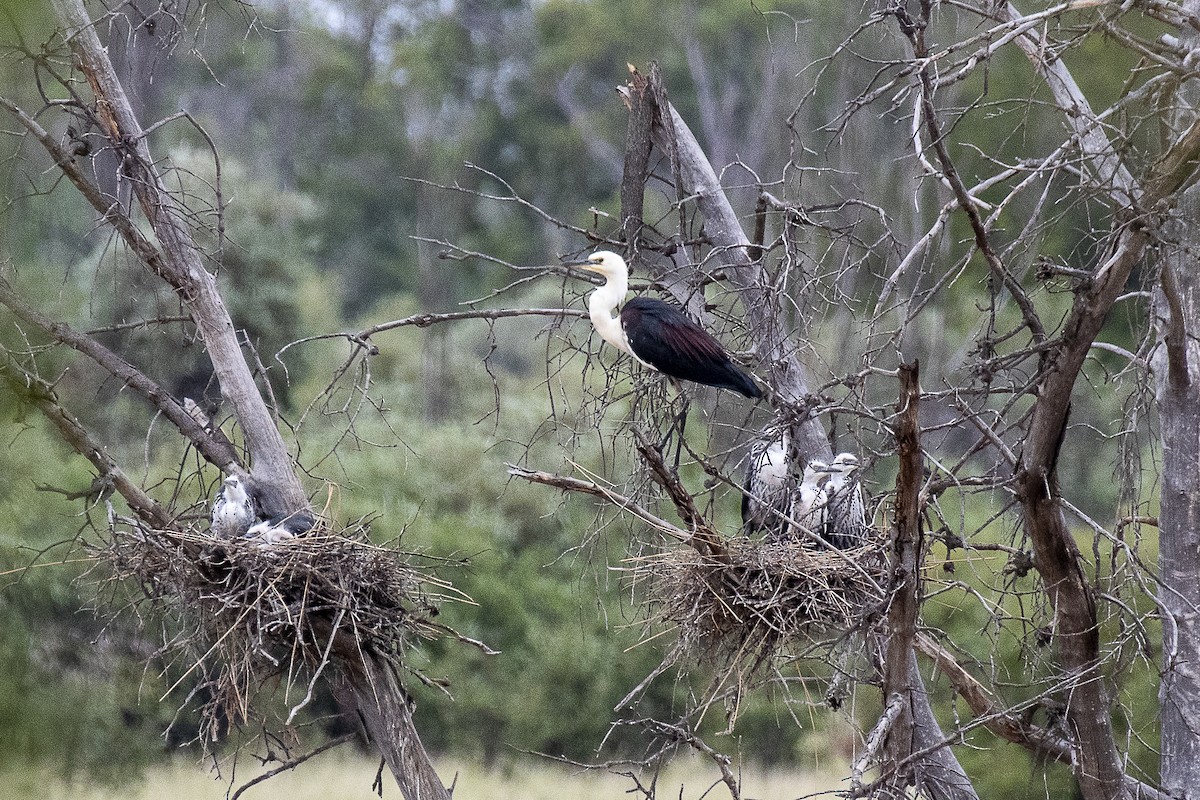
(601, 305)
(235, 493)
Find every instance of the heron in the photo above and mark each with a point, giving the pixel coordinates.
(657, 334)
(846, 523)
(765, 496)
(812, 498)
(773, 502)
(281, 527)
(661, 337)
(233, 509)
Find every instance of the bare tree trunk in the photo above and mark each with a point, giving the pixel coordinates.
(1176, 368)
(180, 264)
(371, 688)
(911, 728)
(1176, 373)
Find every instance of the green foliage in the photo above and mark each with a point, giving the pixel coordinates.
(69, 688)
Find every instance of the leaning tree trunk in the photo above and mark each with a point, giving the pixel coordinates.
(366, 683)
(177, 260)
(1176, 369)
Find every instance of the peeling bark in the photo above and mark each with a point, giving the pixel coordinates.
(917, 753)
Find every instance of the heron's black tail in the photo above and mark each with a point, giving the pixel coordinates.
(737, 380)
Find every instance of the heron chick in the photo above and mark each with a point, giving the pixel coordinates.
(812, 506)
(281, 528)
(233, 509)
(765, 492)
(846, 523)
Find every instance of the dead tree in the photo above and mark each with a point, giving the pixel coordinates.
(1177, 321)
(174, 560)
(1020, 428)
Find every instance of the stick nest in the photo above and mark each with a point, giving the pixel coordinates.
(250, 612)
(753, 598)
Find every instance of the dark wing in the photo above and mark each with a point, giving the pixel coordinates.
(662, 336)
(752, 510)
(294, 523)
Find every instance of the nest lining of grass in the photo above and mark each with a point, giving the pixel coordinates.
(753, 599)
(248, 613)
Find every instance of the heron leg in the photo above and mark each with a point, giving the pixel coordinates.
(676, 429)
(682, 423)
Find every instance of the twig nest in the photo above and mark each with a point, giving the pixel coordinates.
(756, 597)
(250, 611)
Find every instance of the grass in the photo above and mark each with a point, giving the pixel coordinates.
(346, 777)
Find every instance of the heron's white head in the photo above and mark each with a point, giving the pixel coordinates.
(815, 473)
(607, 263)
(234, 490)
(845, 463)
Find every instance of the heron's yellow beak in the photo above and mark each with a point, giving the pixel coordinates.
(589, 265)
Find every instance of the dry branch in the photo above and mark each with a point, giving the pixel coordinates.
(914, 739)
(42, 394)
(589, 487)
(177, 260)
(209, 441)
(914, 29)
(1099, 152)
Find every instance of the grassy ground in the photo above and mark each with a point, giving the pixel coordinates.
(349, 778)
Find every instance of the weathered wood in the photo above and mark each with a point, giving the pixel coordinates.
(640, 101)
(180, 264)
(915, 730)
(1179, 517)
(1176, 368)
(906, 531)
(775, 346)
(369, 687)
